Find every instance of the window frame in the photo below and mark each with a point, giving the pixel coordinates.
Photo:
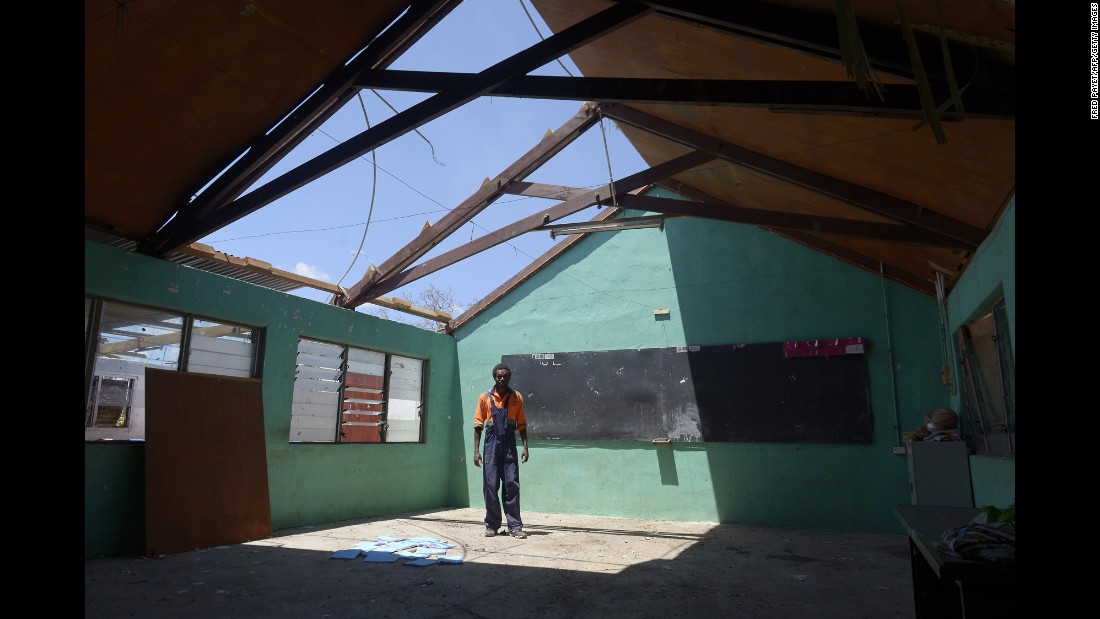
(92, 414)
(93, 331)
(988, 380)
(348, 405)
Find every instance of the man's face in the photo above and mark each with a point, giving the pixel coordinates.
(502, 377)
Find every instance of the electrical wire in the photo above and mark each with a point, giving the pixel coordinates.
(373, 191)
(607, 155)
(941, 307)
(542, 38)
(890, 353)
(416, 130)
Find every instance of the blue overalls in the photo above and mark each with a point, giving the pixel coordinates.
(501, 460)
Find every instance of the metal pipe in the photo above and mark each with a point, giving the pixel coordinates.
(890, 354)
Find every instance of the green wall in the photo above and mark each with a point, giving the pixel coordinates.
(991, 273)
(308, 483)
(114, 499)
(723, 284)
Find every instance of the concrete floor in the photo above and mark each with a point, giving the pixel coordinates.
(570, 566)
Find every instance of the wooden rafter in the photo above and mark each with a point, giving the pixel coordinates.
(547, 50)
(723, 211)
(856, 195)
(827, 247)
(534, 222)
(836, 97)
(268, 149)
(206, 252)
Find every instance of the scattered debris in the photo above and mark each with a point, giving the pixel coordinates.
(415, 551)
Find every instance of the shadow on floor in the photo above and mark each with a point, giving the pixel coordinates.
(570, 566)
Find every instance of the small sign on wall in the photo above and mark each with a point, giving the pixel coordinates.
(825, 347)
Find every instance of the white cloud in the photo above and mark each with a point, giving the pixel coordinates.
(310, 271)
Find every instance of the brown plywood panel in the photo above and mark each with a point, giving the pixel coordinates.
(175, 90)
(991, 22)
(205, 462)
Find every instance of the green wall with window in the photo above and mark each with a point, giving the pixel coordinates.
(723, 284)
(308, 483)
(991, 275)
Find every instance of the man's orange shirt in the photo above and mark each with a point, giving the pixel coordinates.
(517, 416)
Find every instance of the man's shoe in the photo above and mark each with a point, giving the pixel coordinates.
(518, 533)
(489, 532)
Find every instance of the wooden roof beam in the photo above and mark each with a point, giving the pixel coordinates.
(551, 144)
(856, 195)
(268, 149)
(542, 190)
(547, 50)
(724, 211)
(843, 253)
(836, 97)
(534, 222)
(199, 250)
(534, 267)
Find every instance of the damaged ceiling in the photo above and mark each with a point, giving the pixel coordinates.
(851, 133)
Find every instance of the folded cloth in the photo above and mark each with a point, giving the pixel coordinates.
(993, 542)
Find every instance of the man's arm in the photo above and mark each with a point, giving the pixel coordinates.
(479, 420)
(521, 423)
(477, 445)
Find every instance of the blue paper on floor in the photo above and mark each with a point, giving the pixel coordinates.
(350, 553)
(411, 550)
(430, 542)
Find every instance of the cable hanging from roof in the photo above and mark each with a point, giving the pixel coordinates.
(373, 191)
(535, 26)
(416, 130)
(607, 155)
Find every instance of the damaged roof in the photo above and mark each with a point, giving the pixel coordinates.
(881, 136)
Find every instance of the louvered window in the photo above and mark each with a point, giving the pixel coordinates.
(354, 395)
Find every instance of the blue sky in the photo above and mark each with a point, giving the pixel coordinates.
(316, 230)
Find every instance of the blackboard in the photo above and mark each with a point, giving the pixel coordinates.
(732, 393)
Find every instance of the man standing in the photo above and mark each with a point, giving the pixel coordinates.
(500, 414)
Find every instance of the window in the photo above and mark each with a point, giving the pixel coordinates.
(353, 395)
(123, 340)
(989, 382)
(221, 348)
(111, 398)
